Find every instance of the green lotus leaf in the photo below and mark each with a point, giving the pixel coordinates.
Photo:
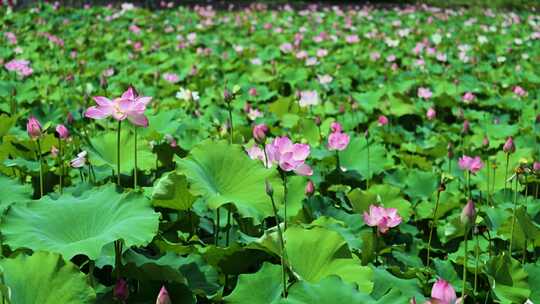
(45, 278)
(17, 192)
(73, 225)
(329, 290)
(318, 253)
(171, 191)
(262, 287)
(355, 157)
(508, 279)
(103, 147)
(223, 173)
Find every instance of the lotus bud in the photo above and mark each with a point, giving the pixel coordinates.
(33, 127)
(54, 152)
(121, 290)
(259, 132)
(268, 188)
(509, 146)
(310, 188)
(485, 141)
(430, 114)
(468, 213)
(62, 132)
(163, 296)
(536, 166)
(383, 120)
(466, 127)
(318, 120)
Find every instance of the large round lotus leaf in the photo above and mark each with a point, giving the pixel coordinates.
(16, 193)
(171, 191)
(75, 225)
(102, 151)
(355, 157)
(262, 287)
(318, 253)
(329, 290)
(223, 173)
(45, 278)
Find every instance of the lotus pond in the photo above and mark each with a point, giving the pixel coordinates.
(269, 155)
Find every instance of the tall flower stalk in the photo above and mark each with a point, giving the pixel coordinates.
(516, 177)
(63, 134)
(442, 187)
(118, 135)
(33, 128)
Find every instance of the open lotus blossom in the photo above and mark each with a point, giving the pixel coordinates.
(20, 66)
(424, 93)
(308, 98)
(33, 127)
(171, 77)
(519, 91)
(79, 161)
(382, 121)
(129, 106)
(470, 164)
(288, 156)
(337, 139)
(382, 218)
(443, 293)
(187, 95)
(468, 97)
(259, 132)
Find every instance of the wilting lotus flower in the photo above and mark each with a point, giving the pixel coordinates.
(430, 114)
(382, 218)
(33, 128)
(468, 97)
(121, 290)
(509, 146)
(424, 93)
(309, 98)
(129, 106)
(163, 296)
(79, 161)
(288, 156)
(337, 139)
(443, 293)
(310, 188)
(383, 120)
(259, 132)
(468, 213)
(62, 131)
(470, 164)
(171, 77)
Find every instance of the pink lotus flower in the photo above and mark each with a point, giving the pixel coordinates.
(352, 39)
(324, 79)
(519, 91)
(11, 37)
(470, 164)
(424, 93)
(288, 156)
(257, 153)
(62, 131)
(171, 140)
(286, 47)
(121, 290)
(308, 98)
(33, 128)
(382, 121)
(443, 293)
(509, 146)
(536, 166)
(430, 114)
(20, 66)
(79, 161)
(259, 132)
(129, 106)
(163, 296)
(171, 77)
(468, 97)
(382, 218)
(337, 139)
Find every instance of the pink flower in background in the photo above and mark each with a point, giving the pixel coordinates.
(424, 93)
(171, 140)
(252, 92)
(322, 52)
(468, 213)
(286, 47)
(470, 164)
(382, 121)
(108, 72)
(536, 166)
(337, 139)
(33, 127)
(466, 127)
(509, 146)
(443, 293)
(62, 131)
(54, 152)
(135, 29)
(308, 98)
(259, 132)
(468, 97)
(310, 188)
(352, 38)
(325, 79)
(11, 37)
(129, 106)
(79, 161)
(20, 66)
(382, 218)
(254, 113)
(374, 56)
(163, 296)
(289, 156)
(519, 91)
(171, 77)
(431, 114)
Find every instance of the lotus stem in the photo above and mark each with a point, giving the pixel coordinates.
(368, 163)
(465, 259)
(281, 245)
(285, 192)
(338, 165)
(477, 257)
(432, 225)
(513, 217)
(61, 164)
(231, 126)
(227, 236)
(506, 173)
(135, 165)
(40, 168)
(216, 237)
(118, 153)
(117, 258)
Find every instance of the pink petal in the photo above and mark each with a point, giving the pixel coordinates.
(138, 120)
(97, 113)
(103, 101)
(128, 94)
(304, 169)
